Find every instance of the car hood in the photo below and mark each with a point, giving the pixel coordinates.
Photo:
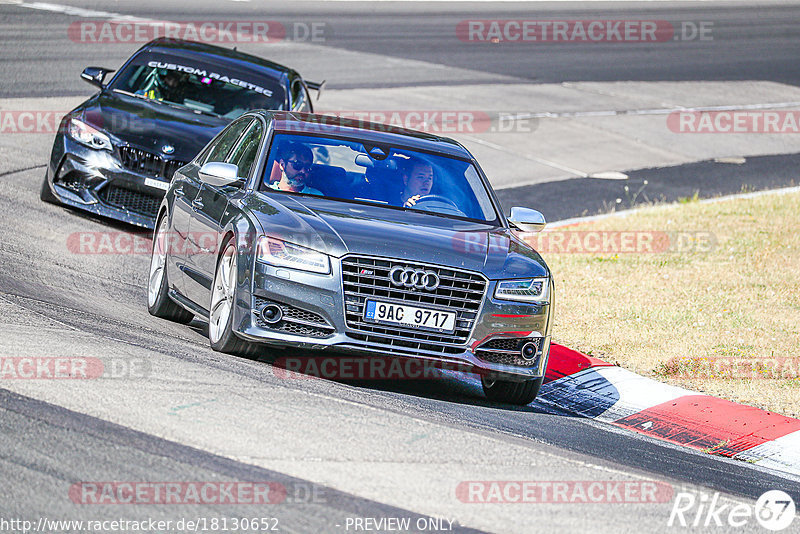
(151, 126)
(339, 228)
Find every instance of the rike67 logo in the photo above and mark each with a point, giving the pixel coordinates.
(774, 510)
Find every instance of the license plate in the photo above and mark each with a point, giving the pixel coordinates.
(158, 184)
(410, 316)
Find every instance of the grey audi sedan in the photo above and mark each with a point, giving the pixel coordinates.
(315, 232)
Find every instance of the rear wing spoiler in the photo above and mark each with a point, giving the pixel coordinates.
(317, 86)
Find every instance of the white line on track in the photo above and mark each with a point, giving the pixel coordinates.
(541, 161)
(592, 218)
(80, 12)
(524, 1)
(654, 111)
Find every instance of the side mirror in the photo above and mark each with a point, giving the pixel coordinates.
(220, 174)
(95, 75)
(527, 220)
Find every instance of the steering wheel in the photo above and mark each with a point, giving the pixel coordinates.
(437, 198)
(445, 205)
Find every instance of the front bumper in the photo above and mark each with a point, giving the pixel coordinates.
(97, 182)
(314, 316)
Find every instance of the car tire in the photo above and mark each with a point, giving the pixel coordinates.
(223, 298)
(158, 302)
(506, 391)
(46, 194)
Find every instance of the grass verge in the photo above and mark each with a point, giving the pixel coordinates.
(700, 295)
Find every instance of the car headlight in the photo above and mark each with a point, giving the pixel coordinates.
(87, 135)
(284, 254)
(527, 290)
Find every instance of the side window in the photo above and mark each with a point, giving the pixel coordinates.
(224, 143)
(244, 155)
(299, 98)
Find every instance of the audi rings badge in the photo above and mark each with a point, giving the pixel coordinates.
(414, 278)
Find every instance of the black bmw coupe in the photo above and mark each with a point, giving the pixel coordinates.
(114, 154)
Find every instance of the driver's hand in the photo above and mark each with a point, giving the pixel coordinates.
(411, 201)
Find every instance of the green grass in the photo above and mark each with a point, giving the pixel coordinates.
(740, 298)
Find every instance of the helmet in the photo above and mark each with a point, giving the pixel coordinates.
(169, 83)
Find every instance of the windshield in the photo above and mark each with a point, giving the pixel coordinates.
(199, 88)
(394, 177)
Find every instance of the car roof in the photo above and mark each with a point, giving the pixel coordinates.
(380, 134)
(217, 54)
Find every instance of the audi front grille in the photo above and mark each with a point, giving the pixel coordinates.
(369, 278)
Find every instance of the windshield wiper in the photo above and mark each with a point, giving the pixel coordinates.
(126, 93)
(201, 111)
(141, 97)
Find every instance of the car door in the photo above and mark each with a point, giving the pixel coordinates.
(207, 207)
(187, 186)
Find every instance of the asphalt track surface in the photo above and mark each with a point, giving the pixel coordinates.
(759, 42)
(580, 197)
(54, 435)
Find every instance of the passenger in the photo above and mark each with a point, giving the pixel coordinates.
(295, 165)
(417, 181)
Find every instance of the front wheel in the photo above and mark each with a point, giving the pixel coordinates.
(158, 302)
(223, 299)
(509, 392)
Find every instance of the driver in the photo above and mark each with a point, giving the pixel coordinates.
(169, 87)
(417, 182)
(295, 165)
